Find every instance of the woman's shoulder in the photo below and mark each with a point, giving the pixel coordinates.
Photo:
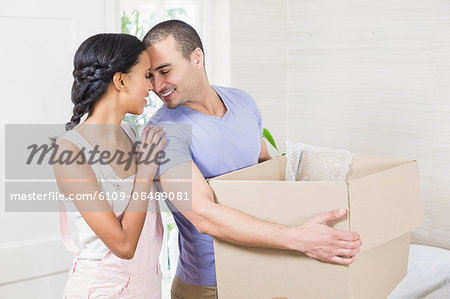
(70, 162)
(67, 141)
(129, 130)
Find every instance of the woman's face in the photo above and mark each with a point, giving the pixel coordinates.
(138, 85)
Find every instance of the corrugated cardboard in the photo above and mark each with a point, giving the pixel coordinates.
(382, 196)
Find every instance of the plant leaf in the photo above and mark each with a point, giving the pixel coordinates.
(124, 21)
(268, 137)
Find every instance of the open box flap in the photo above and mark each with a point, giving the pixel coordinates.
(385, 205)
(364, 165)
(273, 169)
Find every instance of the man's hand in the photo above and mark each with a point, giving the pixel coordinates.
(322, 242)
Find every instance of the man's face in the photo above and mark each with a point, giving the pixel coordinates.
(173, 76)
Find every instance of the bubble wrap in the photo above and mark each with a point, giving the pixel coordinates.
(310, 163)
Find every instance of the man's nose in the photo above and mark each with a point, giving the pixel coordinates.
(150, 85)
(158, 84)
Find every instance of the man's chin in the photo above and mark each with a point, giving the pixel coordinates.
(171, 105)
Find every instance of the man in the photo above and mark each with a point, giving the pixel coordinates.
(226, 135)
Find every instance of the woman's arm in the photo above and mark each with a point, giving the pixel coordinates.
(120, 236)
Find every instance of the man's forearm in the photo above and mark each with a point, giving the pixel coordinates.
(238, 227)
(314, 238)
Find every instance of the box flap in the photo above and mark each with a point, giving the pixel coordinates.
(273, 169)
(385, 205)
(364, 165)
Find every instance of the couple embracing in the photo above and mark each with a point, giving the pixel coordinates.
(117, 251)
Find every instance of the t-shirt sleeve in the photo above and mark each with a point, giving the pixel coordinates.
(258, 115)
(256, 111)
(178, 147)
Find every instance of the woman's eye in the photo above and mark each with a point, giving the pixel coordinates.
(148, 76)
(164, 72)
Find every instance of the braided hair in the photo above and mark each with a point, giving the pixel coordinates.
(96, 61)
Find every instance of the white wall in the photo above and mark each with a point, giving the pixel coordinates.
(216, 41)
(258, 58)
(39, 39)
(369, 76)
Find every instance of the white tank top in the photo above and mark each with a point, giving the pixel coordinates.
(91, 247)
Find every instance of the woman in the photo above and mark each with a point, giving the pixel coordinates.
(118, 241)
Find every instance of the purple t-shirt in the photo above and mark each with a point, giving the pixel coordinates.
(217, 146)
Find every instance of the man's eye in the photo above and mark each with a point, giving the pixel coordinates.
(164, 72)
(149, 76)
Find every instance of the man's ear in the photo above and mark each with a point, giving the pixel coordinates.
(197, 58)
(119, 81)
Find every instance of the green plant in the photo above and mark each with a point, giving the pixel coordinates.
(176, 13)
(268, 136)
(133, 24)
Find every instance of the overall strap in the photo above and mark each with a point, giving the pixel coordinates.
(129, 131)
(66, 234)
(101, 171)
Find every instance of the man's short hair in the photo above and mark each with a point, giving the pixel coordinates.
(185, 36)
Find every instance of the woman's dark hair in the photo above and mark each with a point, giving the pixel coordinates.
(96, 61)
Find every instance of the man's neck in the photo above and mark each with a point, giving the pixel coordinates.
(208, 102)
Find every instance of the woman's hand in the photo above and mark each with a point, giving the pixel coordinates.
(151, 145)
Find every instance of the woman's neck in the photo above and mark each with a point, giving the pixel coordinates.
(104, 120)
(105, 112)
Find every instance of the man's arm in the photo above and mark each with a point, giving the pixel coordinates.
(315, 238)
(264, 154)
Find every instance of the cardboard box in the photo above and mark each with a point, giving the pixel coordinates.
(382, 196)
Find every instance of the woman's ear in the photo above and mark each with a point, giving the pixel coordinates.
(119, 81)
